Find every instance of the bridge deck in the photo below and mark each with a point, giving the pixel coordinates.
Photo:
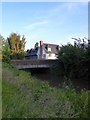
(22, 64)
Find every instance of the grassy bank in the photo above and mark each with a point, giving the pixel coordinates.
(24, 96)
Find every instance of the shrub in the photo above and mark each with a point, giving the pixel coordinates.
(73, 62)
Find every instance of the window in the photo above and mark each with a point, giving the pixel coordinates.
(49, 49)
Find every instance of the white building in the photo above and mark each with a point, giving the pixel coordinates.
(47, 51)
(43, 51)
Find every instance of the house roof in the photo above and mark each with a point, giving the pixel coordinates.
(32, 52)
(54, 48)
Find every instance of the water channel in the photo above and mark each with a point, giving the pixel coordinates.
(57, 81)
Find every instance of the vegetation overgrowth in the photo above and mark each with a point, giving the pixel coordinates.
(73, 60)
(24, 96)
(13, 47)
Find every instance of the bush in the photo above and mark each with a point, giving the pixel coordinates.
(20, 55)
(6, 54)
(73, 62)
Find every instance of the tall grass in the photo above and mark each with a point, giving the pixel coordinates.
(24, 96)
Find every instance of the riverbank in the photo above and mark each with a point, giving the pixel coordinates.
(53, 80)
(24, 96)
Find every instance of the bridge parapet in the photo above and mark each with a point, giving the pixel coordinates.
(33, 63)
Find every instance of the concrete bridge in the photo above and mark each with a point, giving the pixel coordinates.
(25, 64)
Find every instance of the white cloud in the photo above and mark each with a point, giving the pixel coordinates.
(67, 6)
(62, 9)
(33, 25)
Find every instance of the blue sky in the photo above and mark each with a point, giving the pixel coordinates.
(52, 22)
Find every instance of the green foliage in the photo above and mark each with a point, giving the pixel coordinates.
(6, 54)
(1, 38)
(24, 96)
(12, 48)
(19, 55)
(73, 61)
(16, 45)
(5, 50)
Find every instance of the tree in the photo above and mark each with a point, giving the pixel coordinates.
(4, 50)
(74, 60)
(16, 45)
(1, 38)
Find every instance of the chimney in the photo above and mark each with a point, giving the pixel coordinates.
(41, 43)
